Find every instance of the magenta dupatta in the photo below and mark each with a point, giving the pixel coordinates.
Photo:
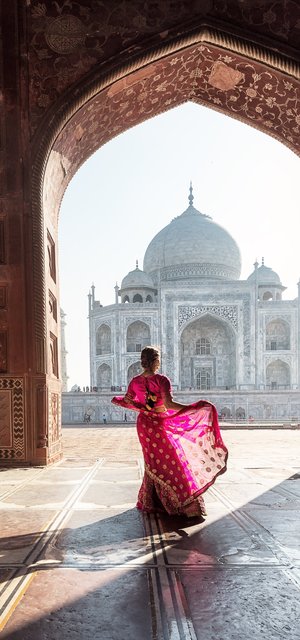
(183, 451)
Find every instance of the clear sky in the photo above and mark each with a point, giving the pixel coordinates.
(133, 187)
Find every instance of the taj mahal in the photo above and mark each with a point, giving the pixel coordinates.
(235, 342)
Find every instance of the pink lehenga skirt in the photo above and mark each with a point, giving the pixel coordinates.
(183, 454)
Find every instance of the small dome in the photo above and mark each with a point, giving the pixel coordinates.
(192, 245)
(265, 276)
(137, 279)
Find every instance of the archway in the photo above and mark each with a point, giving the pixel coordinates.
(278, 335)
(278, 375)
(133, 370)
(208, 354)
(103, 340)
(73, 109)
(104, 378)
(138, 336)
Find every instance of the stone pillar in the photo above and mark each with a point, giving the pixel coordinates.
(90, 339)
(29, 352)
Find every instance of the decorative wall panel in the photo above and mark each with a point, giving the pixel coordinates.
(12, 436)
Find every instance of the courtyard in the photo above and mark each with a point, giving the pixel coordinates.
(79, 561)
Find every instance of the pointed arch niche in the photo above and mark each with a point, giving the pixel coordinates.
(133, 370)
(104, 377)
(206, 66)
(278, 375)
(138, 336)
(213, 366)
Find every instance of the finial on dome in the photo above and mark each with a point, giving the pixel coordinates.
(255, 264)
(136, 264)
(191, 197)
(262, 261)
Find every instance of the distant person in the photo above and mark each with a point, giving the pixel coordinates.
(182, 445)
(125, 417)
(104, 418)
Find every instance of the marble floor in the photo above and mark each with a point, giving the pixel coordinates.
(79, 562)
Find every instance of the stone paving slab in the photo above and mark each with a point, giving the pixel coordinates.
(117, 473)
(111, 493)
(112, 604)
(51, 493)
(221, 540)
(262, 604)
(19, 531)
(111, 537)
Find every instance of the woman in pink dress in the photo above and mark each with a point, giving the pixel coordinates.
(182, 444)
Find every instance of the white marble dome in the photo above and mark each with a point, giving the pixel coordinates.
(137, 279)
(193, 246)
(265, 276)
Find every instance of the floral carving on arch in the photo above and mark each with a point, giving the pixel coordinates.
(228, 313)
(231, 83)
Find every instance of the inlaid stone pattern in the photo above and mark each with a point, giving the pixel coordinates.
(229, 312)
(264, 98)
(65, 34)
(5, 418)
(141, 318)
(68, 39)
(187, 271)
(12, 442)
(54, 417)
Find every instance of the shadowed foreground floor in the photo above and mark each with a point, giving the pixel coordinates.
(79, 562)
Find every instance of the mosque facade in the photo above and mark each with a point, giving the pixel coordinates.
(235, 342)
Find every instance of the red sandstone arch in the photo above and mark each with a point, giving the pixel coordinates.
(219, 69)
(223, 73)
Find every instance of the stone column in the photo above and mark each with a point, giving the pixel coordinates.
(29, 311)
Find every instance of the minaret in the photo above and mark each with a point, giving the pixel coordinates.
(191, 197)
(64, 375)
(117, 293)
(93, 294)
(256, 351)
(90, 302)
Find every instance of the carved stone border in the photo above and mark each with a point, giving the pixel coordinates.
(227, 312)
(17, 451)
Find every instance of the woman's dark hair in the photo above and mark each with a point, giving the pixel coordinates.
(148, 357)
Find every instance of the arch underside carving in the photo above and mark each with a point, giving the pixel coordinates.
(237, 84)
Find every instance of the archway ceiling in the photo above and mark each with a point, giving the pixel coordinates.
(69, 38)
(74, 45)
(229, 83)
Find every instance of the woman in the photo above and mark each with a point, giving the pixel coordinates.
(182, 445)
